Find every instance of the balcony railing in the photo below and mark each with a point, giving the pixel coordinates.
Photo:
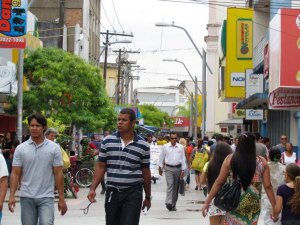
(258, 51)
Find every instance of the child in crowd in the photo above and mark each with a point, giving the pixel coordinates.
(288, 197)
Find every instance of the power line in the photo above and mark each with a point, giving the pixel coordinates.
(106, 15)
(210, 6)
(117, 15)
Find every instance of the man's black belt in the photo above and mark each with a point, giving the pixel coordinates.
(176, 166)
(120, 189)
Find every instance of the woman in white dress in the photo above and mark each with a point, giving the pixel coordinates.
(288, 156)
(277, 178)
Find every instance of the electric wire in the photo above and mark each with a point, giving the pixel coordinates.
(117, 15)
(257, 23)
(106, 15)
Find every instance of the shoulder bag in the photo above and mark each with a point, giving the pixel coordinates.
(228, 197)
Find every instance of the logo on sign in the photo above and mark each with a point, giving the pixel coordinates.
(244, 38)
(178, 121)
(252, 114)
(13, 18)
(237, 79)
(284, 100)
(298, 21)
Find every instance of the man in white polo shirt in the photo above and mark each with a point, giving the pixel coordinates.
(39, 162)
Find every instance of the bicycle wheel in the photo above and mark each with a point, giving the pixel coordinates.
(84, 177)
(70, 186)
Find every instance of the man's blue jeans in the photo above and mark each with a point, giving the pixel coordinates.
(37, 211)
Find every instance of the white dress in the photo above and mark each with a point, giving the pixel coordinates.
(277, 179)
(289, 159)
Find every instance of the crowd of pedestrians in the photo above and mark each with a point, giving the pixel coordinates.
(269, 176)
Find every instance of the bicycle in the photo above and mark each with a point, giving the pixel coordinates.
(81, 174)
(70, 186)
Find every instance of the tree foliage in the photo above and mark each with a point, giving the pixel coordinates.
(67, 88)
(153, 116)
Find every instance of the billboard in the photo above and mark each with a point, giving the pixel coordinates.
(284, 48)
(239, 40)
(13, 20)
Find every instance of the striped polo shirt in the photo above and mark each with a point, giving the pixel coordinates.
(124, 166)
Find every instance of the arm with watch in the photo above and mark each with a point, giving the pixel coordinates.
(147, 188)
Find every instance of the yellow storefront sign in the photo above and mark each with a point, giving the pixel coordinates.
(239, 45)
(244, 38)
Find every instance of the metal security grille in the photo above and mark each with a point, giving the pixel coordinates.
(278, 124)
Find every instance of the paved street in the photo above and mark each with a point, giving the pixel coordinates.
(186, 210)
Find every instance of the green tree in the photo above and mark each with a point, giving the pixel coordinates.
(67, 88)
(153, 116)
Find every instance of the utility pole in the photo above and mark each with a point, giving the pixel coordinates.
(121, 78)
(203, 113)
(191, 116)
(196, 111)
(105, 56)
(107, 33)
(61, 23)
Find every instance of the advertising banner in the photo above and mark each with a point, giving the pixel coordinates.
(181, 121)
(252, 114)
(13, 20)
(238, 39)
(290, 44)
(244, 38)
(283, 98)
(284, 50)
(254, 83)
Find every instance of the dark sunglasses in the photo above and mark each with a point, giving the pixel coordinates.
(173, 138)
(283, 138)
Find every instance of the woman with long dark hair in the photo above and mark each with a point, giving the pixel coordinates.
(222, 150)
(253, 172)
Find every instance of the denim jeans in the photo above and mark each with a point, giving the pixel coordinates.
(37, 211)
(123, 208)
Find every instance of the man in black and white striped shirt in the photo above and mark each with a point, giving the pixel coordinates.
(125, 156)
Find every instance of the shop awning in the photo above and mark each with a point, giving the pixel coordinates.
(256, 101)
(230, 122)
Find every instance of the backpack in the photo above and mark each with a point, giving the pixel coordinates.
(200, 158)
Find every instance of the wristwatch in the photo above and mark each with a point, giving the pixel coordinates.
(148, 197)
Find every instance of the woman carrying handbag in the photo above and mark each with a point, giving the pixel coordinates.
(253, 172)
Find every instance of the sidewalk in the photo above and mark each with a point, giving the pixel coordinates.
(188, 209)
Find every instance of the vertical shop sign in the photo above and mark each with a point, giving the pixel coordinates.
(244, 38)
(13, 20)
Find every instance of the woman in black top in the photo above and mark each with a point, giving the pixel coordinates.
(7, 150)
(288, 197)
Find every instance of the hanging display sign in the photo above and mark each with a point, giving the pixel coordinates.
(284, 99)
(13, 20)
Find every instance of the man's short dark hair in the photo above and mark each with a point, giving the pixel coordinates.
(173, 133)
(39, 118)
(257, 136)
(130, 112)
(219, 137)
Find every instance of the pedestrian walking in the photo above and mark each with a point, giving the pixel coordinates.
(38, 162)
(277, 178)
(125, 156)
(172, 159)
(283, 141)
(252, 177)
(3, 182)
(288, 199)
(288, 156)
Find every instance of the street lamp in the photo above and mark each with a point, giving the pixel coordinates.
(187, 70)
(204, 65)
(106, 44)
(160, 24)
(183, 82)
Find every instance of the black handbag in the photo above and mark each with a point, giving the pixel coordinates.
(228, 197)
